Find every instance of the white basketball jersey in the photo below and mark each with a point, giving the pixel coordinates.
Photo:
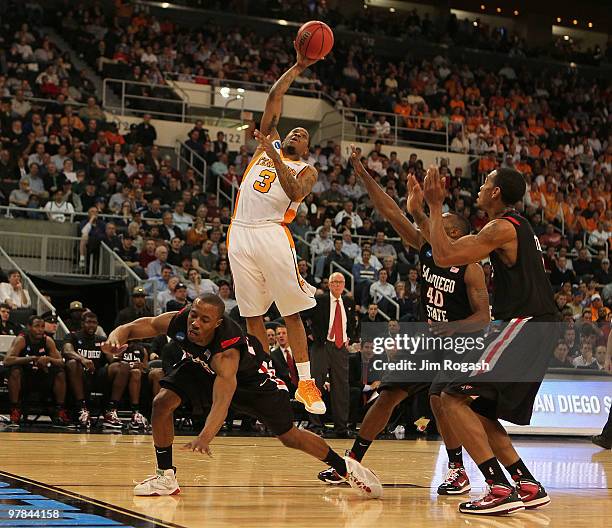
(261, 198)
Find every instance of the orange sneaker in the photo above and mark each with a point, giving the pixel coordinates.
(310, 395)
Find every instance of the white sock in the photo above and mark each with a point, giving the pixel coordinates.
(303, 370)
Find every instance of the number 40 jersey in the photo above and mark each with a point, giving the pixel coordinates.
(443, 292)
(261, 199)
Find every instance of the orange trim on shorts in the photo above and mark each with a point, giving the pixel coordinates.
(298, 277)
(229, 227)
(289, 215)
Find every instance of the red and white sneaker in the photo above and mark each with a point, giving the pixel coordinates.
(112, 421)
(362, 479)
(532, 494)
(162, 483)
(456, 482)
(84, 420)
(499, 500)
(15, 417)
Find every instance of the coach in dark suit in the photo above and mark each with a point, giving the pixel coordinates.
(283, 362)
(333, 326)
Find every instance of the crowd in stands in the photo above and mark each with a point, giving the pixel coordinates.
(58, 159)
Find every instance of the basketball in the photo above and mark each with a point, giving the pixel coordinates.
(315, 39)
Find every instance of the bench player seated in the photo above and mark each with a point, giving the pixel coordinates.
(35, 363)
(221, 368)
(91, 369)
(137, 357)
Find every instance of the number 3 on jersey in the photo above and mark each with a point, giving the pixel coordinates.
(263, 185)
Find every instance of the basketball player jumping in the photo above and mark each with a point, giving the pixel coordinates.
(260, 247)
(464, 310)
(221, 367)
(521, 351)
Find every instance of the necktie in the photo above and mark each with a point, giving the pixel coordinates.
(336, 331)
(292, 369)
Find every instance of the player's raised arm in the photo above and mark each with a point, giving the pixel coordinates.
(225, 366)
(142, 328)
(386, 205)
(274, 103)
(469, 248)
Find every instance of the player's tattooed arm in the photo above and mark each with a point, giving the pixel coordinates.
(274, 103)
(296, 188)
(386, 205)
(225, 366)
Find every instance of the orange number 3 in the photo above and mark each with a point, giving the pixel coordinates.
(263, 185)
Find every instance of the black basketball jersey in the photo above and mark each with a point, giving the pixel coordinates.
(443, 292)
(88, 347)
(35, 348)
(134, 354)
(227, 335)
(522, 290)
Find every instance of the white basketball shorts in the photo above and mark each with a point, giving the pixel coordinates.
(264, 267)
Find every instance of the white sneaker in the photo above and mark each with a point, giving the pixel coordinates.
(363, 479)
(84, 420)
(163, 483)
(138, 422)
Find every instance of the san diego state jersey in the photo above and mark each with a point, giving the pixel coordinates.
(522, 290)
(227, 335)
(443, 292)
(261, 198)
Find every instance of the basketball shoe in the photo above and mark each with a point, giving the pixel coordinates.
(362, 479)
(456, 482)
(499, 499)
(112, 421)
(162, 483)
(138, 421)
(15, 417)
(532, 494)
(331, 476)
(310, 395)
(84, 420)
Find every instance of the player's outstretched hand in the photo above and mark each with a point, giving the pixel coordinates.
(112, 346)
(198, 445)
(267, 143)
(301, 60)
(434, 187)
(360, 170)
(414, 204)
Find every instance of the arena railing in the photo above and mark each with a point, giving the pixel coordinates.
(47, 254)
(39, 302)
(355, 127)
(189, 157)
(217, 82)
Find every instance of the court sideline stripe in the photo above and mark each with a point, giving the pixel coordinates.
(95, 502)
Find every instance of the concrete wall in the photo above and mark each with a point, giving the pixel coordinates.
(169, 131)
(294, 107)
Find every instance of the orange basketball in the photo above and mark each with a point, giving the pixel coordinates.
(315, 39)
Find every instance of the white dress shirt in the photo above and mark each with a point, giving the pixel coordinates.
(7, 292)
(332, 313)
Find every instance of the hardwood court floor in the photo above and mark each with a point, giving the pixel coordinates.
(255, 482)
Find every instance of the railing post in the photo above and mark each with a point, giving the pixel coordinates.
(43, 254)
(395, 128)
(122, 97)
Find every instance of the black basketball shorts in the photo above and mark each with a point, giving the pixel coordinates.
(261, 400)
